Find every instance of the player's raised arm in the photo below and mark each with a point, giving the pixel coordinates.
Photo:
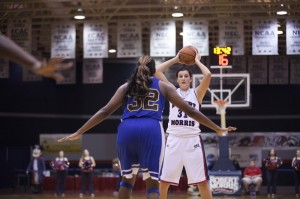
(160, 69)
(115, 102)
(203, 86)
(175, 99)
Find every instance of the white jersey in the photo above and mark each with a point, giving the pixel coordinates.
(180, 124)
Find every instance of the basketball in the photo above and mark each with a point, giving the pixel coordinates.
(187, 55)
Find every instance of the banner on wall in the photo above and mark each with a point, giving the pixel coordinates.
(69, 75)
(195, 33)
(50, 145)
(293, 36)
(163, 39)
(92, 71)
(95, 40)
(264, 37)
(295, 70)
(63, 41)
(231, 33)
(258, 69)
(278, 70)
(19, 30)
(4, 68)
(129, 39)
(246, 146)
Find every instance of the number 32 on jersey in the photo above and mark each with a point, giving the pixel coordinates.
(147, 103)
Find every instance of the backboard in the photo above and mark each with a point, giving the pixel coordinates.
(234, 88)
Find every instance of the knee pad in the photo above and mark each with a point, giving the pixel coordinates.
(153, 190)
(126, 185)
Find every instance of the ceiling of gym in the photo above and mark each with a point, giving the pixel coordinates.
(46, 12)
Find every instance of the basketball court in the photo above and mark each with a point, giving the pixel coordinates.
(179, 195)
(251, 49)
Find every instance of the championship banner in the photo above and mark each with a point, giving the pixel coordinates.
(195, 33)
(264, 37)
(95, 40)
(163, 39)
(129, 39)
(4, 68)
(258, 69)
(70, 74)
(63, 41)
(92, 71)
(231, 33)
(295, 70)
(293, 36)
(19, 30)
(278, 70)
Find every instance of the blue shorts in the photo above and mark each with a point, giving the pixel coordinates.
(140, 144)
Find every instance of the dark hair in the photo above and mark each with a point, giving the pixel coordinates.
(140, 80)
(183, 68)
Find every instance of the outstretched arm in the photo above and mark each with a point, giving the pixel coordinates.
(115, 102)
(12, 51)
(175, 99)
(203, 86)
(164, 67)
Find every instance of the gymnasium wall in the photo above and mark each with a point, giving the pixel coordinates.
(30, 108)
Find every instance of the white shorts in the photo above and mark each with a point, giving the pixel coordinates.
(184, 152)
(253, 180)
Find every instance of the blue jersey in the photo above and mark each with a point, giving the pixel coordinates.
(151, 106)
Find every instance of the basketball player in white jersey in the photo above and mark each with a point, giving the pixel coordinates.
(184, 146)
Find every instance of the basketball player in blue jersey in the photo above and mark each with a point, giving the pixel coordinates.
(140, 139)
(184, 146)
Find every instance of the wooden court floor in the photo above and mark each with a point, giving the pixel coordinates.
(136, 195)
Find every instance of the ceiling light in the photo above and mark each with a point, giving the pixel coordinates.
(177, 14)
(80, 17)
(112, 50)
(79, 14)
(281, 10)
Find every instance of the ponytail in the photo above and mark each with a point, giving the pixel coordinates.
(140, 81)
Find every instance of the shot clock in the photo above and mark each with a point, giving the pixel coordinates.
(221, 57)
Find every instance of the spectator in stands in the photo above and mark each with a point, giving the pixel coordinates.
(87, 163)
(60, 165)
(252, 175)
(272, 162)
(296, 166)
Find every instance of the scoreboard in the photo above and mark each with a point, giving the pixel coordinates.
(221, 56)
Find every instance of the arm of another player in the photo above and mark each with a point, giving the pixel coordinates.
(12, 51)
(164, 67)
(175, 99)
(203, 86)
(115, 102)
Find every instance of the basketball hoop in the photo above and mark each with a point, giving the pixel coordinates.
(220, 106)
